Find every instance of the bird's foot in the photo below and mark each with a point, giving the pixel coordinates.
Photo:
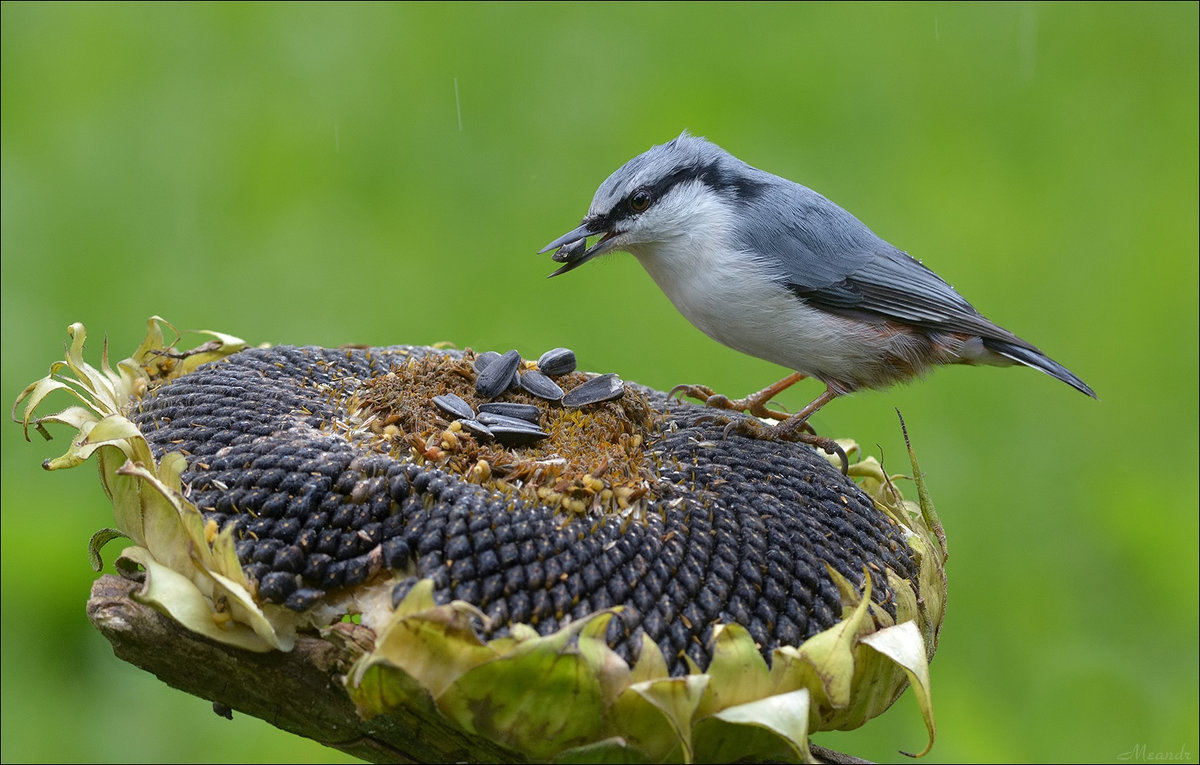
(753, 404)
(827, 445)
(794, 429)
(715, 400)
(700, 392)
(756, 404)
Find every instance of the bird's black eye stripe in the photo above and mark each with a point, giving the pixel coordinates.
(643, 197)
(738, 185)
(710, 175)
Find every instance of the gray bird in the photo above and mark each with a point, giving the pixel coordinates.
(774, 269)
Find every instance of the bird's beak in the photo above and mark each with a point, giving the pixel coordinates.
(571, 247)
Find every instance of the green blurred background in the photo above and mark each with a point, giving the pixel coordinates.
(329, 174)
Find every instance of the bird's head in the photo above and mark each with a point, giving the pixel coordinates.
(668, 192)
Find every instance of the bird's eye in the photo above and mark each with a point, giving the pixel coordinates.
(640, 200)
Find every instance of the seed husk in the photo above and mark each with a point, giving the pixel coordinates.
(557, 362)
(527, 412)
(570, 251)
(517, 436)
(493, 420)
(594, 391)
(454, 406)
(485, 359)
(540, 385)
(476, 428)
(498, 376)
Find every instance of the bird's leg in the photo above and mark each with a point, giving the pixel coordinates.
(755, 403)
(800, 419)
(793, 429)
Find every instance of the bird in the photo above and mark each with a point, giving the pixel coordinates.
(775, 270)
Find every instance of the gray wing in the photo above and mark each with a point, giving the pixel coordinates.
(832, 260)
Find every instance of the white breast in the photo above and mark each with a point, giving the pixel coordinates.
(733, 297)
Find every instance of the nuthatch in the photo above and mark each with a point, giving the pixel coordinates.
(774, 269)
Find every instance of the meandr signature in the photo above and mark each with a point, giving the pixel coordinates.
(1143, 753)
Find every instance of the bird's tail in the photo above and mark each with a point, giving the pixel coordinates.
(1032, 357)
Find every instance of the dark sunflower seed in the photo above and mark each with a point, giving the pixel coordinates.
(511, 431)
(540, 385)
(559, 361)
(276, 586)
(527, 412)
(569, 252)
(603, 388)
(289, 559)
(492, 420)
(476, 428)
(485, 359)
(304, 598)
(498, 376)
(454, 406)
(517, 435)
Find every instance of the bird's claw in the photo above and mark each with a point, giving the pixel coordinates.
(827, 445)
(707, 419)
(789, 427)
(701, 392)
(750, 428)
(755, 405)
(800, 432)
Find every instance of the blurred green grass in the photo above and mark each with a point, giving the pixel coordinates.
(297, 174)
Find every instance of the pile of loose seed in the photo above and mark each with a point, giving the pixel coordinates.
(516, 424)
(520, 431)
